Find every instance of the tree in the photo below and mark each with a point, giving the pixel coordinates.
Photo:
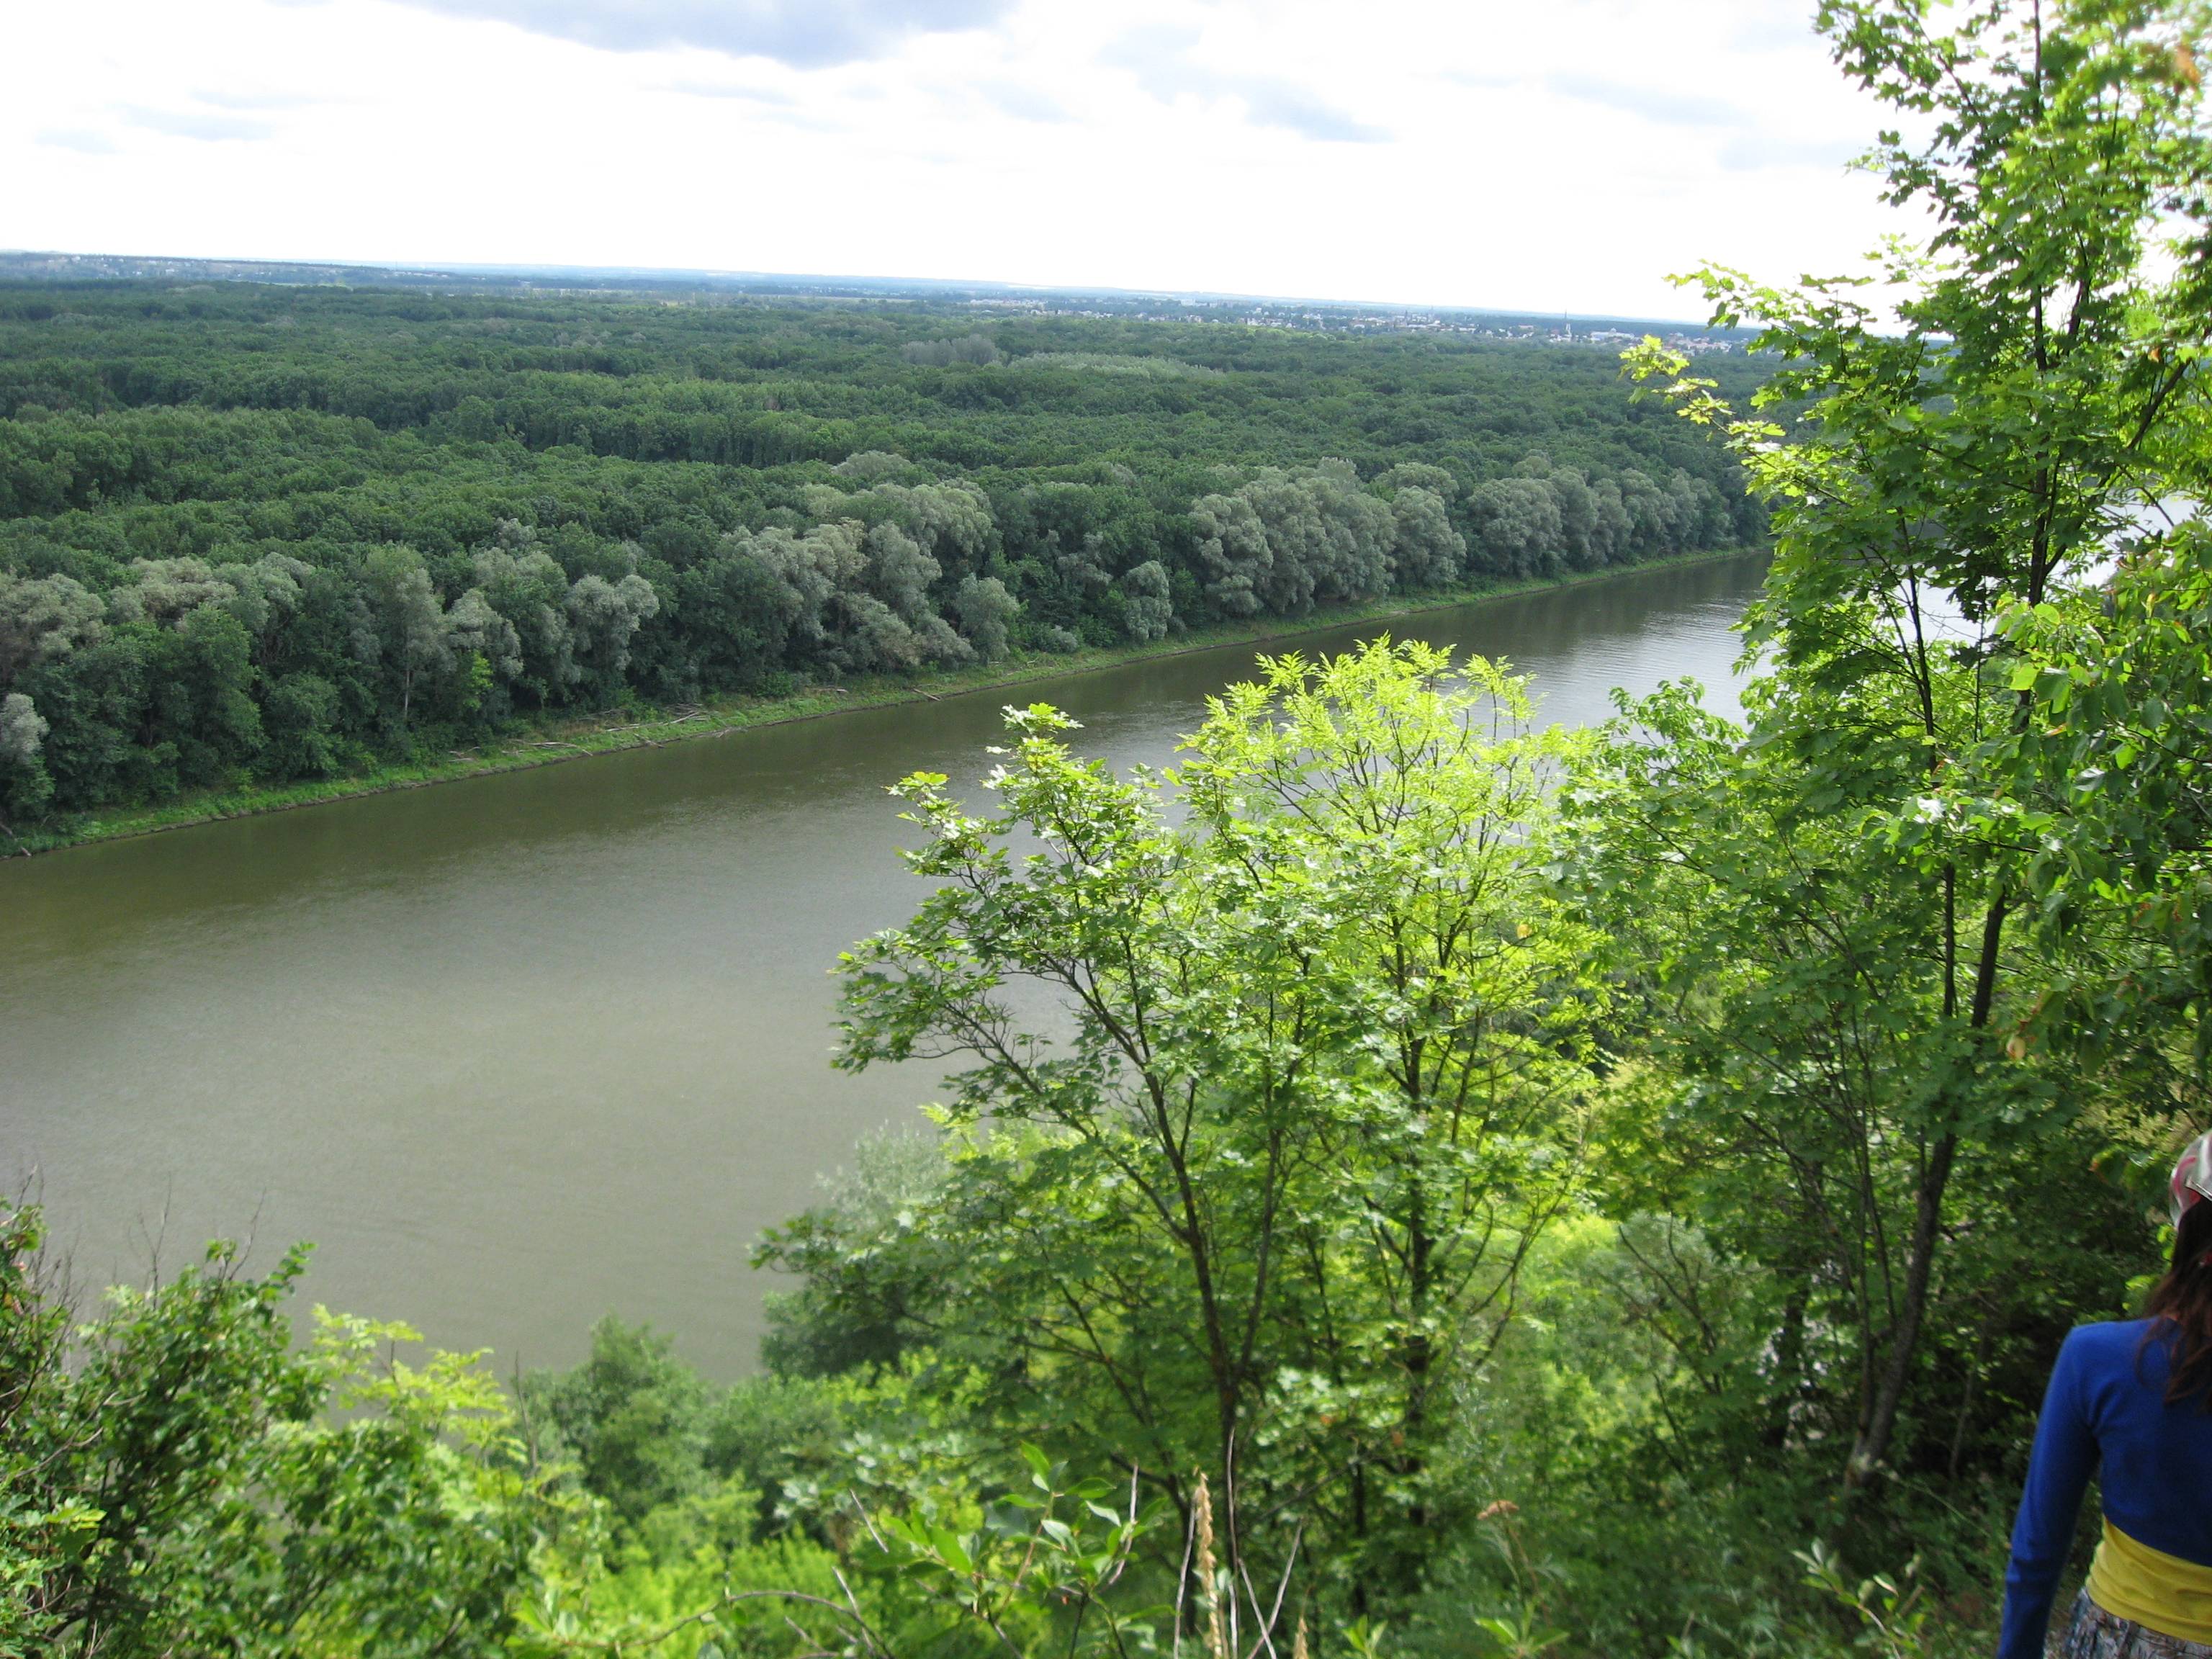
(631, 1414)
(1321, 1072)
(970, 349)
(893, 623)
(1517, 526)
(42, 619)
(1971, 462)
(267, 471)
(165, 591)
(604, 616)
(200, 694)
(170, 1480)
(299, 712)
(530, 590)
(1425, 550)
(849, 1314)
(2109, 785)
(93, 701)
(985, 608)
(1234, 553)
(25, 787)
(408, 619)
(1147, 610)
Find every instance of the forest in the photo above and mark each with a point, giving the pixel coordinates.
(1410, 1181)
(259, 534)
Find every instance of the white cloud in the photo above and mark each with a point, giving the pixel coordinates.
(84, 142)
(1162, 60)
(1024, 103)
(232, 98)
(806, 33)
(1491, 153)
(716, 90)
(209, 128)
(1661, 104)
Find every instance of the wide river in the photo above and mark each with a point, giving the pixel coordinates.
(519, 1051)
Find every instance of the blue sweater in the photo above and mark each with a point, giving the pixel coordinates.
(2107, 1406)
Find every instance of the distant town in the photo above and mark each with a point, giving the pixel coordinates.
(1305, 316)
(1322, 317)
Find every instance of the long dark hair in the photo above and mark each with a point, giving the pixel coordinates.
(2183, 1298)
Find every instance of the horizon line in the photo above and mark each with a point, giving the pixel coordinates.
(611, 275)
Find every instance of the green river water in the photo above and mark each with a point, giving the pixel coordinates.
(520, 1050)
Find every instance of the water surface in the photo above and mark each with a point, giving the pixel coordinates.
(520, 1050)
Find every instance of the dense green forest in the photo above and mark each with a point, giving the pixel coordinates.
(1410, 1180)
(272, 533)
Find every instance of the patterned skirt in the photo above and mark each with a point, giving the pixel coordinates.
(2096, 1634)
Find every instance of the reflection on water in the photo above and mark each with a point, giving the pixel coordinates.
(522, 1050)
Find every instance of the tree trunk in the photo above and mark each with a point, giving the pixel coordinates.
(1872, 1445)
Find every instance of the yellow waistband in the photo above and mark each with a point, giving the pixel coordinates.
(2159, 1592)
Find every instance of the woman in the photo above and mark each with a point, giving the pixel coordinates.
(2132, 1403)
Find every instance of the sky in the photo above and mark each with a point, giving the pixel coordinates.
(1535, 155)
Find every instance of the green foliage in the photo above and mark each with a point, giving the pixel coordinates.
(179, 1475)
(631, 1416)
(2104, 779)
(1847, 920)
(431, 518)
(1895, 1621)
(1902, 979)
(1456, 1188)
(1259, 1207)
(865, 1282)
(1050, 1555)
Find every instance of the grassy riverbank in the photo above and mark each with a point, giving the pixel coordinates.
(547, 743)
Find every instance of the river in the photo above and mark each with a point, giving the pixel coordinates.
(522, 1050)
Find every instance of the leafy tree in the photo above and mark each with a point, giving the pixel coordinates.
(864, 1295)
(632, 1416)
(95, 701)
(409, 620)
(1977, 459)
(1317, 1091)
(798, 497)
(201, 705)
(1425, 550)
(743, 617)
(41, 618)
(25, 785)
(299, 715)
(2106, 782)
(170, 1480)
(529, 590)
(970, 349)
(604, 617)
(1146, 611)
(986, 609)
(1517, 525)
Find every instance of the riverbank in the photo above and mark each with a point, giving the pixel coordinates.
(499, 1024)
(579, 738)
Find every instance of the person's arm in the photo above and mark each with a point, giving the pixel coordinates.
(2059, 1471)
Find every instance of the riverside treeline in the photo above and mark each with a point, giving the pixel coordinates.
(1409, 1181)
(268, 534)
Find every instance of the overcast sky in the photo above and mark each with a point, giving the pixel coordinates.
(1547, 155)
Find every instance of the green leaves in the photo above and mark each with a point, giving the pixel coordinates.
(1036, 1563)
(170, 1478)
(1285, 1057)
(1868, 914)
(2107, 769)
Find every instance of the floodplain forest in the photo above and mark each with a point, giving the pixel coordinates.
(1478, 1189)
(251, 536)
